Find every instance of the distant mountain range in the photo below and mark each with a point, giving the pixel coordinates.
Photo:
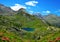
(50, 19)
(53, 20)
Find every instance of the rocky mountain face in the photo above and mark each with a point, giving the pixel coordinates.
(5, 10)
(53, 20)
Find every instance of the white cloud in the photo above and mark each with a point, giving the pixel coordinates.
(47, 12)
(31, 3)
(16, 7)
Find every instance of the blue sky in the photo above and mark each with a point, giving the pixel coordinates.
(33, 6)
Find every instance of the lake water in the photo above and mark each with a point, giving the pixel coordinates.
(28, 29)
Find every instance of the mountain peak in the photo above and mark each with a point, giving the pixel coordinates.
(22, 11)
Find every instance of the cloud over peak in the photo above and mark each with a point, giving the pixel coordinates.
(16, 7)
(31, 3)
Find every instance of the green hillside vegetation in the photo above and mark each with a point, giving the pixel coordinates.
(11, 28)
(8, 23)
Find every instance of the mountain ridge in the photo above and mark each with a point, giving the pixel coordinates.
(5, 10)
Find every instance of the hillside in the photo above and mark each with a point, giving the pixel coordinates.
(13, 24)
(53, 20)
(23, 27)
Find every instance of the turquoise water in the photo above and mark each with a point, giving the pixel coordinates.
(28, 29)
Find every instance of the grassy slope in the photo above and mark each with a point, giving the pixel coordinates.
(20, 21)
